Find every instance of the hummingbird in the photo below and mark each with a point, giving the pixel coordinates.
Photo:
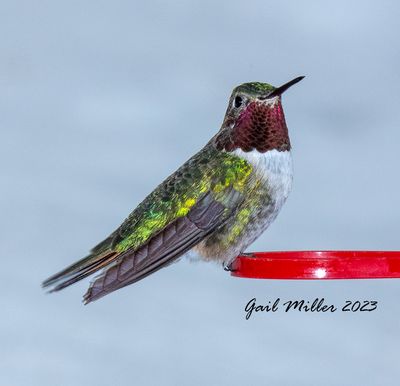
(216, 204)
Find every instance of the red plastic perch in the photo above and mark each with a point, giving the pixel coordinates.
(318, 265)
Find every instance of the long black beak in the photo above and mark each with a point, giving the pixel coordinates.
(280, 90)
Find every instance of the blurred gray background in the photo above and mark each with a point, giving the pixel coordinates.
(100, 100)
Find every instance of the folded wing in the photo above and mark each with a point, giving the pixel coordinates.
(162, 249)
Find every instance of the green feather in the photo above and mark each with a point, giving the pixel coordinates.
(208, 171)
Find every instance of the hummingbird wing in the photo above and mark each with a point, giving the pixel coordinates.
(162, 249)
(187, 207)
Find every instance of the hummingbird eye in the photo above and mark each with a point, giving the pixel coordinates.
(238, 101)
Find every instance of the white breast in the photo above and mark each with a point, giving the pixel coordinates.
(275, 167)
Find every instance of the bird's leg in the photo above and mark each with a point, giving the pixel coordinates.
(227, 265)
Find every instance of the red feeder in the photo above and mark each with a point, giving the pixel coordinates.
(317, 265)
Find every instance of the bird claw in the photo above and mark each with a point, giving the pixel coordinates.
(228, 267)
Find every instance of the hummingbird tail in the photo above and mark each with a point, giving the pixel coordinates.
(95, 261)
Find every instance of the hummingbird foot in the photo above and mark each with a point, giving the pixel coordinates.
(228, 266)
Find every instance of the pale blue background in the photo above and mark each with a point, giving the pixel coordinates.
(100, 100)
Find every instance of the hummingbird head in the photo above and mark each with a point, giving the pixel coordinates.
(254, 119)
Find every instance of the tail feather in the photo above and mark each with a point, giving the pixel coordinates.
(79, 270)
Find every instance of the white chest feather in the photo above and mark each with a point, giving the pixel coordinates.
(275, 168)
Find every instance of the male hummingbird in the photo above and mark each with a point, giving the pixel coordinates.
(216, 203)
